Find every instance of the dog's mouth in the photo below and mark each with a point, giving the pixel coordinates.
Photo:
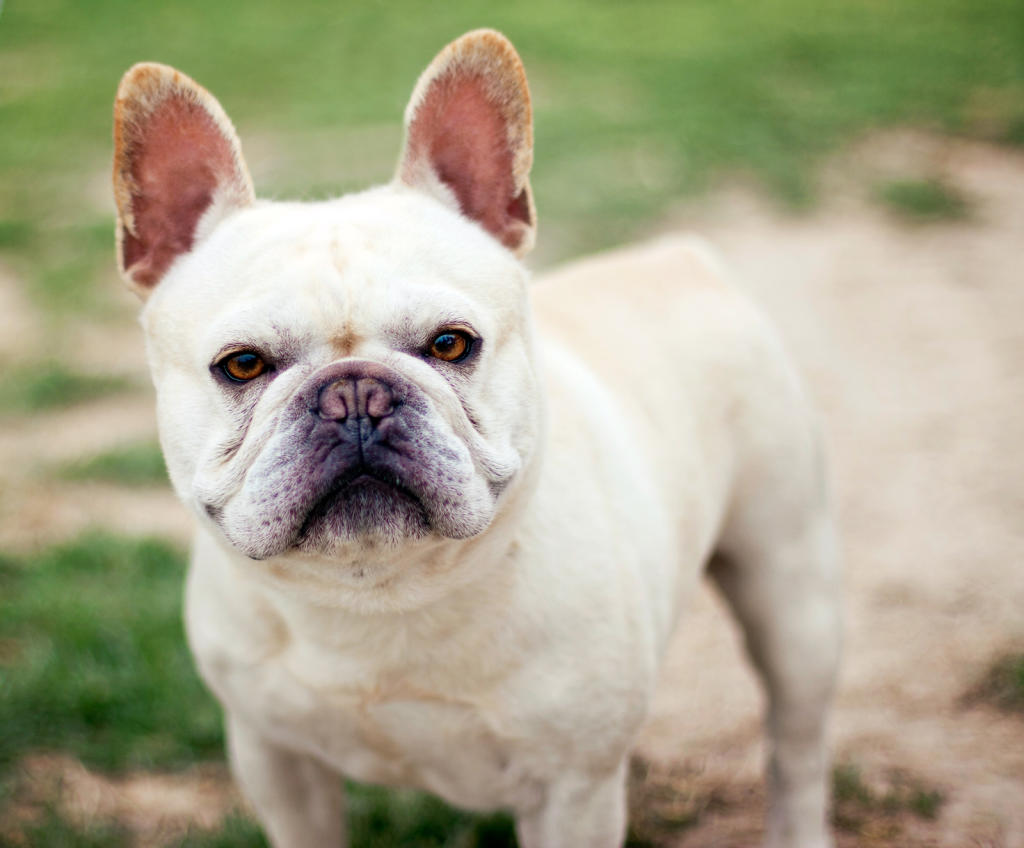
(363, 478)
(364, 501)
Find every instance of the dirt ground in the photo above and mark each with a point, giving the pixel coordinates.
(910, 337)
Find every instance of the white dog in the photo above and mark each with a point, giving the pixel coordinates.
(447, 519)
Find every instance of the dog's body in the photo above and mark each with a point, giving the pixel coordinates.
(461, 574)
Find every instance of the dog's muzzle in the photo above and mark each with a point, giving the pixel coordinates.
(359, 452)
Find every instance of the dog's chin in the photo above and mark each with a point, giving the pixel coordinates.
(360, 513)
(367, 512)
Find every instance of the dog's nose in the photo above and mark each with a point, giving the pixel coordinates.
(356, 397)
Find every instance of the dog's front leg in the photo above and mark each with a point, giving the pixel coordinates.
(299, 801)
(580, 808)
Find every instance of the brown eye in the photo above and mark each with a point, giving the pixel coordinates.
(244, 366)
(451, 346)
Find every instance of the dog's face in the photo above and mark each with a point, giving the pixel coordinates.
(349, 379)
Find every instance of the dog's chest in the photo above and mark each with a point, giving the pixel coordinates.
(381, 728)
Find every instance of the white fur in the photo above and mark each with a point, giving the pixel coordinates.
(654, 422)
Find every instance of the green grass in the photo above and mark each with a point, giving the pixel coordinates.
(1013, 132)
(53, 385)
(848, 786)
(382, 818)
(95, 657)
(15, 232)
(1003, 685)
(236, 831)
(924, 201)
(855, 803)
(636, 103)
(138, 464)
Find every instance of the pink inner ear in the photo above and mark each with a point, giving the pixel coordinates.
(178, 158)
(465, 138)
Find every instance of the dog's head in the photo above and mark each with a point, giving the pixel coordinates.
(341, 381)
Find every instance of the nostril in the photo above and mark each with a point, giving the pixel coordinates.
(378, 400)
(337, 400)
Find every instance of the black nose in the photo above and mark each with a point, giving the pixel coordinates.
(355, 398)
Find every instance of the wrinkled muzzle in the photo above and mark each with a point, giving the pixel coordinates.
(362, 454)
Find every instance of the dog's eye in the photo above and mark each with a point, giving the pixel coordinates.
(244, 366)
(451, 346)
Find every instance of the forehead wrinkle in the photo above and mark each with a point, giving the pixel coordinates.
(355, 290)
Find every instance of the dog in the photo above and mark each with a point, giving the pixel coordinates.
(447, 517)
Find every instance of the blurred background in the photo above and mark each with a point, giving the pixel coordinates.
(860, 165)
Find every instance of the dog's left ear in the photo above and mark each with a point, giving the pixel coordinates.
(469, 136)
(178, 170)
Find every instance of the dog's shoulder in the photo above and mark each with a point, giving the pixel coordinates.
(676, 350)
(655, 305)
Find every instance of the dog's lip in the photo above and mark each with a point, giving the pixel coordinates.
(362, 475)
(366, 474)
(367, 477)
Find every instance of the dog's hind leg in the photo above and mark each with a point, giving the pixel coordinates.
(299, 801)
(783, 586)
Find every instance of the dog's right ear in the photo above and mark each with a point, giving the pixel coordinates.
(469, 136)
(178, 170)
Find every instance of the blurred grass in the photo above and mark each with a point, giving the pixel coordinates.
(94, 659)
(382, 818)
(859, 808)
(52, 385)
(1003, 684)
(236, 831)
(924, 201)
(137, 464)
(636, 103)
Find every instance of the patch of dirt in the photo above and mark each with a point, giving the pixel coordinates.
(157, 809)
(668, 800)
(35, 514)
(38, 508)
(26, 444)
(111, 346)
